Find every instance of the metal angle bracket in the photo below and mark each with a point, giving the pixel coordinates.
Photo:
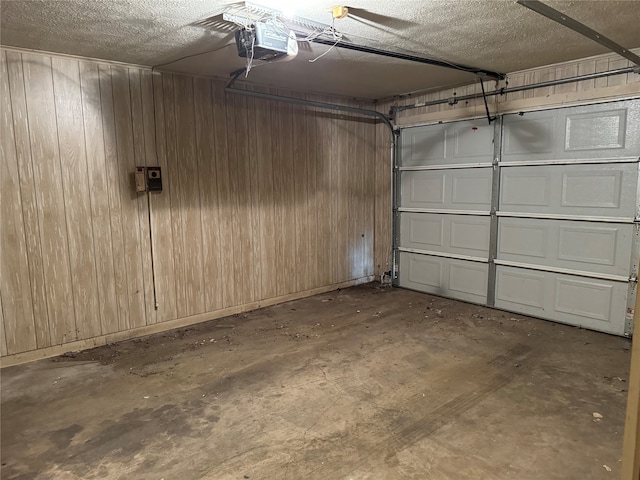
(559, 17)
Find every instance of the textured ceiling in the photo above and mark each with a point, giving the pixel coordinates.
(497, 35)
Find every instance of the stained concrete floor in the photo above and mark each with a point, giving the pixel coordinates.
(364, 383)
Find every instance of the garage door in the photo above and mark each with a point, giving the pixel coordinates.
(568, 201)
(445, 182)
(550, 231)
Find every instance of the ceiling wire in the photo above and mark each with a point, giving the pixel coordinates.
(337, 36)
(190, 56)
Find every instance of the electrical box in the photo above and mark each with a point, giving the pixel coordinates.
(141, 179)
(154, 179)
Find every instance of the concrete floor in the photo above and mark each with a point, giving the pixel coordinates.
(364, 383)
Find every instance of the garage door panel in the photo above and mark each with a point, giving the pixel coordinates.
(591, 132)
(608, 245)
(529, 188)
(470, 141)
(468, 278)
(591, 299)
(426, 188)
(522, 240)
(461, 189)
(607, 190)
(524, 288)
(459, 279)
(586, 302)
(447, 234)
(424, 272)
(584, 246)
(467, 188)
(447, 144)
(469, 235)
(591, 188)
(596, 130)
(421, 230)
(423, 145)
(530, 135)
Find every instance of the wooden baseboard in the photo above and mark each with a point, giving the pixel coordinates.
(55, 350)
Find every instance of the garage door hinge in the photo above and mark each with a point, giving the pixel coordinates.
(633, 278)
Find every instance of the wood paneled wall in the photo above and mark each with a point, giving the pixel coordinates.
(261, 199)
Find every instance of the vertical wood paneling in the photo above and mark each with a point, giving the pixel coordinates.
(311, 166)
(369, 161)
(324, 140)
(75, 182)
(50, 196)
(516, 80)
(99, 196)
(225, 209)
(602, 65)
(161, 222)
(340, 200)
(253, 159)
(234, 258)
(301, 197)
(266, 199)
(140, 145)
(189, 241)
(151, 159)
(280, 275)
(360, 158)
(3, 339)
(129, 198)
(205, 140)
(615, 63)
(17, 319)
(286, 171)
(585, 68)
(176, 210)
(115, 209)
(382, 188)
(566, 72)
(18, 109)
(240, 181)
(351, 186)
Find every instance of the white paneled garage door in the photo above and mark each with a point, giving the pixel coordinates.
(550, 230)
(445, 203)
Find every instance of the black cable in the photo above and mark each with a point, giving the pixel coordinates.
(190, 56)
(234, 76)
(486, 105)
(155, 144)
